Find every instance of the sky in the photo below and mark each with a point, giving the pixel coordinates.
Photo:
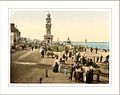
(77, 25)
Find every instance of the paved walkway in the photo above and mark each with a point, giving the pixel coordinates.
(55, 78)
(31, 67)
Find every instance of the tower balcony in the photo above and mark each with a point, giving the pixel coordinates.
(48, 36)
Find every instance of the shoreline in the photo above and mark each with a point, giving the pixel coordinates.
(99, 45)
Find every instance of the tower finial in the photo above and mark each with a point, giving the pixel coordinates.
(48, 14)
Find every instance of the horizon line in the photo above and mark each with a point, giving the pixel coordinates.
(84, 41)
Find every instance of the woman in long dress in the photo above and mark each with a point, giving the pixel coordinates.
(55, 68)
(85, 71)
(56, 65)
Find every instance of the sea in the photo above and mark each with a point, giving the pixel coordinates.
(100, 45)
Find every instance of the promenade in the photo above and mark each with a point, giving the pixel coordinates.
(28, 67)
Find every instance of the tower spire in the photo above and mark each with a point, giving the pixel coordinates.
(48, 37)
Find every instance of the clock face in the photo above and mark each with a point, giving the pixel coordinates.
(48, 21)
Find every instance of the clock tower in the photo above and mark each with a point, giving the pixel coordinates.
(48, 37)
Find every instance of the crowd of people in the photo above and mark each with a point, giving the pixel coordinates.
(82, 69)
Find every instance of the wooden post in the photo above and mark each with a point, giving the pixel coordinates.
(40, 80)
(46, 71)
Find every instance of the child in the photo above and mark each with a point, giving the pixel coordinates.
(65, 71)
